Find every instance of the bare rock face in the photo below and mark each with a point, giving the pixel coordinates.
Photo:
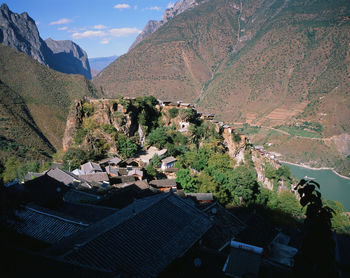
(153, 25)
(19, 32)
(68, 57)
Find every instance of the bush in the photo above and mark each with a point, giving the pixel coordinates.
(126, 147)
(173, 112)
(80, 135)
(88, 109)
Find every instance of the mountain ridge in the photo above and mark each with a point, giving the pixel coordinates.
(20, 32)
(265, 63)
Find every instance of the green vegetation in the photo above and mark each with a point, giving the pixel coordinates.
(88, 109)
(302, 130)
(248, 130)
(126, 147)
(173, 112)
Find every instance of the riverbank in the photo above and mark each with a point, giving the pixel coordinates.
(317, 169)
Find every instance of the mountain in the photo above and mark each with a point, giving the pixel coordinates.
(153, 25)
(19, 134)
(272, 64)
(19, 31)
(99, 63)
(46, 94)
(68, 57)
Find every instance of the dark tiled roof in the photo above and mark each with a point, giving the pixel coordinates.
(45, 225)
(91, 167)
(64, 176)
(139, 240)
(163, 183)
(44, 190)
(78, 196)
(96, 177)
(111, 170)
(32, 175)
(226, 226)
(122, 179)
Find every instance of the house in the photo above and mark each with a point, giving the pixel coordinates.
(243, 261)
(122, 179)
(140, 240)
(44, 191)
(168, 162)
(97, 179)
(112, 161)
(112, 171)
(90, 168)
(164, 185)
(136, 173)
(207, 116)
(68, 178)
(151, 151)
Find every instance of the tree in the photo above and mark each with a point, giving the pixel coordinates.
(126, 147)
(183, 177)
(10, 172)
(173, 112)
(288, 203)
(316, 257)
(158, 137)
(73, 158)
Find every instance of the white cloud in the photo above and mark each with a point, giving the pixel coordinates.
(135, 7)
(170, 5)
(105, 41)
(61, 21)
(88, 34)
(155, 8)
(116, 32)
(124, 32)
(62, 28)
(99, 27)
(122, 6)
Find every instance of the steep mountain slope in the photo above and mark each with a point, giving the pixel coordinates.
(68, 57)
(19, 31)
(267, 63)
(153, 25)
(19, 133)
(48, 94)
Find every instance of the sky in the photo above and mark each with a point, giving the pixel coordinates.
(101, 27)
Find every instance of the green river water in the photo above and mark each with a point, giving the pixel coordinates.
(333, 187)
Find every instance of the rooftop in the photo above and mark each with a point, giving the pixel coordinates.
(140, 240)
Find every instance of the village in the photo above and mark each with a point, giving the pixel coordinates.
(107, 218)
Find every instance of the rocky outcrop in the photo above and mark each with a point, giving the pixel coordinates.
(153, 25)
(68, 57)
(19, 32)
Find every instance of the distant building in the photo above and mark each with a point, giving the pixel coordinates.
(163, 185)
(90, 168)
(168, 162)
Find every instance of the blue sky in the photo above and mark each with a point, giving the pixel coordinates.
(101, 27)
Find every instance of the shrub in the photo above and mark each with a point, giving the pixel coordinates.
(88, 109)
(173, 112)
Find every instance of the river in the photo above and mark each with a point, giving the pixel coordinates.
(333, 187)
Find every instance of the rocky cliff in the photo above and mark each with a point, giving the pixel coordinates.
(68, 57)
(153, 25)
(20, 32)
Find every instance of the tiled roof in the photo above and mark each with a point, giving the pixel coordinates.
(63, 176)
(163, 183)
(111, 170)
(96, 177)
(78, 196)
(168, 159)
(91, 167)
(140, 240)
(46, 226)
